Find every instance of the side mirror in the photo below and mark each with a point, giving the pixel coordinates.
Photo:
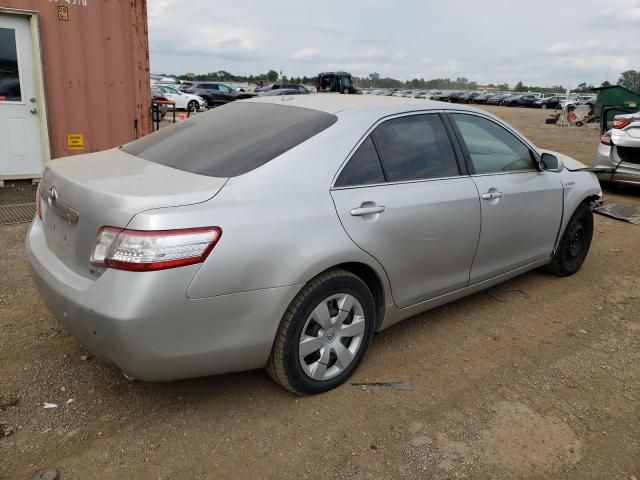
(551, 163)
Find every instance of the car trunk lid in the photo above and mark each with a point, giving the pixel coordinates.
(84, 193)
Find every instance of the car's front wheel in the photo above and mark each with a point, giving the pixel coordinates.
(193, 106)
(574, 244)
(324, 334)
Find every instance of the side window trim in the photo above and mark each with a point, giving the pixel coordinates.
(457, 148)
(465, 151)
(458, 153)
(375, 147)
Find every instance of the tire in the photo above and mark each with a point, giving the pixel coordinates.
(302, 321)
(543, 106)
(574, 244)
(193, 106)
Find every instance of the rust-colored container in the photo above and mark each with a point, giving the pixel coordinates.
(90, 71)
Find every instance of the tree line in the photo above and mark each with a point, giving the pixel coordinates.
(629, 79)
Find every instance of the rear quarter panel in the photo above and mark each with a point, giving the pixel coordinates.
(279, 224)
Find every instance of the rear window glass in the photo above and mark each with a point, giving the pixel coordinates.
(231, 140)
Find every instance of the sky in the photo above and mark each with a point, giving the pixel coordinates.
(540, 43)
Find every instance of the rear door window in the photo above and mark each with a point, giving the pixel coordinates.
(363, 167)
(231, 140)
(415, 147)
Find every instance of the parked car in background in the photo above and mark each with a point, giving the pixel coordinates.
(579, 100)
(482, 98)
(165, 279)
(467, 97)
(510, 100)
(619, 148)
(497, 99)
(454, 96)
(523, 101)
(549, 102)
(288, 86)
(216, 94)
(441, 97)
(281, 92)
(183, 100)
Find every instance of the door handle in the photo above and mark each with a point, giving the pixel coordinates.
(362, 211)
(491, 195)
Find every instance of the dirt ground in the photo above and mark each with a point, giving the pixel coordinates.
(538, 378)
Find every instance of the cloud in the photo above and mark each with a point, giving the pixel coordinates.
(619, 16)
(306, 54)
(580, 41)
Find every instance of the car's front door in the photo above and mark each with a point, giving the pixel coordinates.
(521, 205)
(225, 94)
(175, 96)
(403, 198)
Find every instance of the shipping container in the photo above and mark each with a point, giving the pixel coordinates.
(74, 78)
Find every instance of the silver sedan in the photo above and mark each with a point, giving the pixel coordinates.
(282, 233)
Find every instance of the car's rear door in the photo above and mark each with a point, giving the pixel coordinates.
(521, 205)
(404, 198)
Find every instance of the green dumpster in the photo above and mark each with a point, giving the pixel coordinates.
(614, 100)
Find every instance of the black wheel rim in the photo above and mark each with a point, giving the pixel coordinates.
(576, 244)
(576, 239)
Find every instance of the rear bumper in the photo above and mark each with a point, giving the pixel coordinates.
(145, 325)
(627, 173)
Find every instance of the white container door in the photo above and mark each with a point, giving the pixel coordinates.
(21, 153)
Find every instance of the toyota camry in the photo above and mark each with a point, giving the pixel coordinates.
(284, 232)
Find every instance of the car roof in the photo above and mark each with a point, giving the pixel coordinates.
(334, 103)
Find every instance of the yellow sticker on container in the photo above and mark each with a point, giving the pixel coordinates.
(63, 13)
(75, 141)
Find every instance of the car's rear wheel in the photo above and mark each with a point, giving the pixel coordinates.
(324, 334)
(574, 244)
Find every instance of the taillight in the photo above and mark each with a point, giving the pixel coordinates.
(148, 250)
(619, 122)
(606, 139)
(39, 201)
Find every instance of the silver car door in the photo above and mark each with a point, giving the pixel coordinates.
(521, 206)
(401, 197)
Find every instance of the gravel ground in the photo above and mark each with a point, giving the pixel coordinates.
(538, 378)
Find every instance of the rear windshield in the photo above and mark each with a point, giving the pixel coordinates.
(231, 140)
